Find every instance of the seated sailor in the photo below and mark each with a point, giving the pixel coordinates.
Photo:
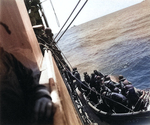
(77, 78)
(98, 73)
(93, 97)
(85, 88)
(96, 80)
(115, 101)
(87, 77)
(92, 82)
(112, 85)
(132, 94)
(123, 80)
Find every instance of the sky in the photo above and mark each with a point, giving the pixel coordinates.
(93, 9)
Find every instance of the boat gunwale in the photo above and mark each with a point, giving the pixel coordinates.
(128, 114)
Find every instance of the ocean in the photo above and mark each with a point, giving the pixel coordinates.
(118, 43)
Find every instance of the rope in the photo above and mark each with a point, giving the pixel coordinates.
(43, 40)
(55, 14)
(67, 19)
(72, 21)
(65, 58)
(44, 45)
(93, 90)
(56, 50)
(85, 82)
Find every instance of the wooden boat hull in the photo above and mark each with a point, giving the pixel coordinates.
(119, 116)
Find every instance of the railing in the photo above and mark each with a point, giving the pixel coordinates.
(65, 113)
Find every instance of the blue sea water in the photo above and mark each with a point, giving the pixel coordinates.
(118, 43)
(137, 62)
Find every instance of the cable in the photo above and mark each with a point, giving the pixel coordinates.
(67, 19)
(93, 90)
(65, 57)
(81, 81)
(55, 14)
(53, 51)
(72, 21)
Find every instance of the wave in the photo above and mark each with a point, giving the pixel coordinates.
(137, 72)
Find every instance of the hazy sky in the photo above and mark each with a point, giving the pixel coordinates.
(92, 10)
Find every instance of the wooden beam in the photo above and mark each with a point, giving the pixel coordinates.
(65, 112)
(17, 35)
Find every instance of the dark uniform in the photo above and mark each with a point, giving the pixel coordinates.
(98, 73)
(87, 78)
(77, 75)
(20, 93)
(92, 82)
(115, 101)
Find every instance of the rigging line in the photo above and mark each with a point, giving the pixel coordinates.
(80, 81)
(67, 19)
(48, 44)
(89, 87)
(99, 93)
(72, 20)
(44, 45)
(43, 14)
(55, 13)
(60, 60)
(43, 1)
(65, 57)
(43, 40)
(93, 90)
(52, 49)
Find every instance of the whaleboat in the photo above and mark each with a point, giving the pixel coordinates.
(139, 111)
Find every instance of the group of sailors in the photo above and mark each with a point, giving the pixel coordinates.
(118, 96)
